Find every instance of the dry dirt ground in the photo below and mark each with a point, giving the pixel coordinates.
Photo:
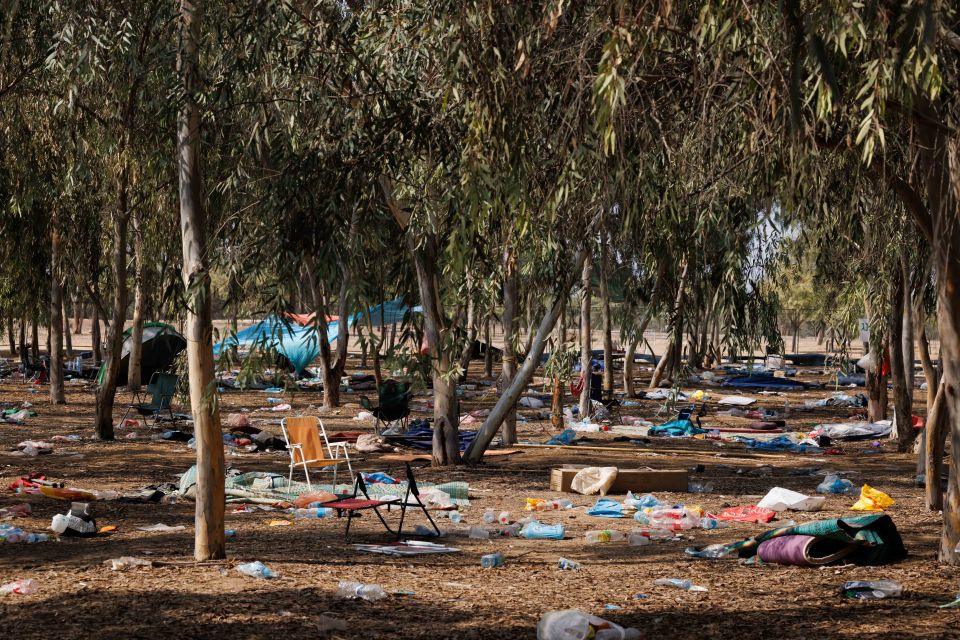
(447, 596)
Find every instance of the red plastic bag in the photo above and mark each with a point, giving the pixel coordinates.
(748, 513)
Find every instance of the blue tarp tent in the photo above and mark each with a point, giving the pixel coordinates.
(299, 344)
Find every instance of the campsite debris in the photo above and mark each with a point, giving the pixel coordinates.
(638, 538)
(478, 533)
(162, 528)
(279, 523)
(835, 484)
(504, 517)
(780, 499)
(353, 590)
(607, 508)
(679, 518)
(455, 516)
(712, 551)
(256, 570)
(12, 534)
(15, 511)
(325, 624)
(571, 624)
(699, 486)
(489, 517)
(491, 560)
(568, 565)
(536, 504)
(312, 514)
(406, 548)
(872, 500)
(644, 501)
(127, 562)
(76, 522)
(686, 585)
(749, 513)
(870, 589)
(21, 587)
(539, 531)
(604, 535)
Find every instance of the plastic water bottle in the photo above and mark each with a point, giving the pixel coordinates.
(504, 517)
(713, 523)
(491, 560)
(569, 565)
(312, 514)
(654, 534)
(479, 533)
(368, 592)
(37, 537)
(870, 589)
(540, 531)
(686, 585)
(712, 551)
(455, 517)
(604, 535)
(12, 534)
(638, 539)
(22, 587)
(510, 531)
(489, 517)
(256, 570)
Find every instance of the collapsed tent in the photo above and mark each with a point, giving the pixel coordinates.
(161, 344)
(854, 430)
(295, 337)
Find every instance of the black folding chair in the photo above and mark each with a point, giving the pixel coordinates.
(416, 502)
(354, 504)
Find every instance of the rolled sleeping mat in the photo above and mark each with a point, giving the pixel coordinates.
(803, 551)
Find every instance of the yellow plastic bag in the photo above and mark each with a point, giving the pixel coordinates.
(872, 500)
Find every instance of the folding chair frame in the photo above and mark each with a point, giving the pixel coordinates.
(332, 450)
(413, 490)
(359, 486)
(166, 401)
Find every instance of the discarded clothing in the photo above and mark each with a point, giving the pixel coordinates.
(763, 381)
(606, 508)
(676, 429)
(854, 430)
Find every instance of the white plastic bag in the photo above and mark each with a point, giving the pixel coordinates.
(591, 480)
(780, 499)
(577, 625)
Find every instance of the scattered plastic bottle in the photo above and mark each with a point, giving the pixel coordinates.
(870, 589)
(712, 551)
(489, 516)
(673, 519)
(536, 504)
(510, 531)
(312, 514)
(455, 517)
(686, 585)
(491, 560)
(699, 486)
(637, 539)
(604, 535)
(21, 587)
(37, 537)
(713, 523)
(504, 517)
(568, 565)
(274, 400)
(256, 570)
(835, 484)
(479, 533)
(128, 562)
(230, 533)
(540, 531)
(353, 590)
(654, 534)
(577, 625)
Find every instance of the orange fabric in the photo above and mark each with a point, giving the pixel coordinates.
(303, 319)
(303, 431)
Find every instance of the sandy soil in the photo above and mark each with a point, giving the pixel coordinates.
(447, 596)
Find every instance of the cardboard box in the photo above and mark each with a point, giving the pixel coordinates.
(635, 480)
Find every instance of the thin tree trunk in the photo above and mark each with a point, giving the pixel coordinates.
(467, 352)
(930, 372)
(67, 334)
(901, 394)
(139, 302)
(487, 351)
(934, 441)
(57, 395)
(34, 338)
(670, 358)
(210, 499)
(906, 305)
(605, 314)
(78, 312)
(11, 336)
(23, 341)
(511, 299)
(586, 349)
(511, 395)
(95, 338)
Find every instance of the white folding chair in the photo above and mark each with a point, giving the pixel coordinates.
(304, 446)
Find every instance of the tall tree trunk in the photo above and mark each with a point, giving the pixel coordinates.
(906, 305)
(23, 341)
(605, 314)
(487, 350)
(668, 362)
(467, 352)
(902, 398)
(67, 334)
(511, 395)
(629, 384)
(56, 320)
(934, 441)
(11, 336)
(511, 299)
(78, 312)
(139, 302)
(34, 337)
(95, 338)
(586, 348)
(930, 373)
(210, 499)
(446, 431)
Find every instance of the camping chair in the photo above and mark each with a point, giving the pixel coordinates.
(416, 502)
(302, 435)
(394, 405)
(687, 413)
(355, 503)
(161, 389)
(611, 404)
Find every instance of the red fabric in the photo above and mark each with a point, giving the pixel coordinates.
(917, 422)
(885, 365)
(303, 319)
(351, 504)
(576, 387)
(749, 513)
(25, 482)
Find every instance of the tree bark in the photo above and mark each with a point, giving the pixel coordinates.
(934, 441)
(23, 341)
(487, 352)
(605, 313)
(511, 395)
(665, 367)
(11, 336)
(78, 312)
(586, 348)
(139, 302)
(34, 337)
(902, 399)
(95, 338)
(57, 395)
(467, 352)
(210, 498)
(67, 337)
(511, 300)
(907, 334)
